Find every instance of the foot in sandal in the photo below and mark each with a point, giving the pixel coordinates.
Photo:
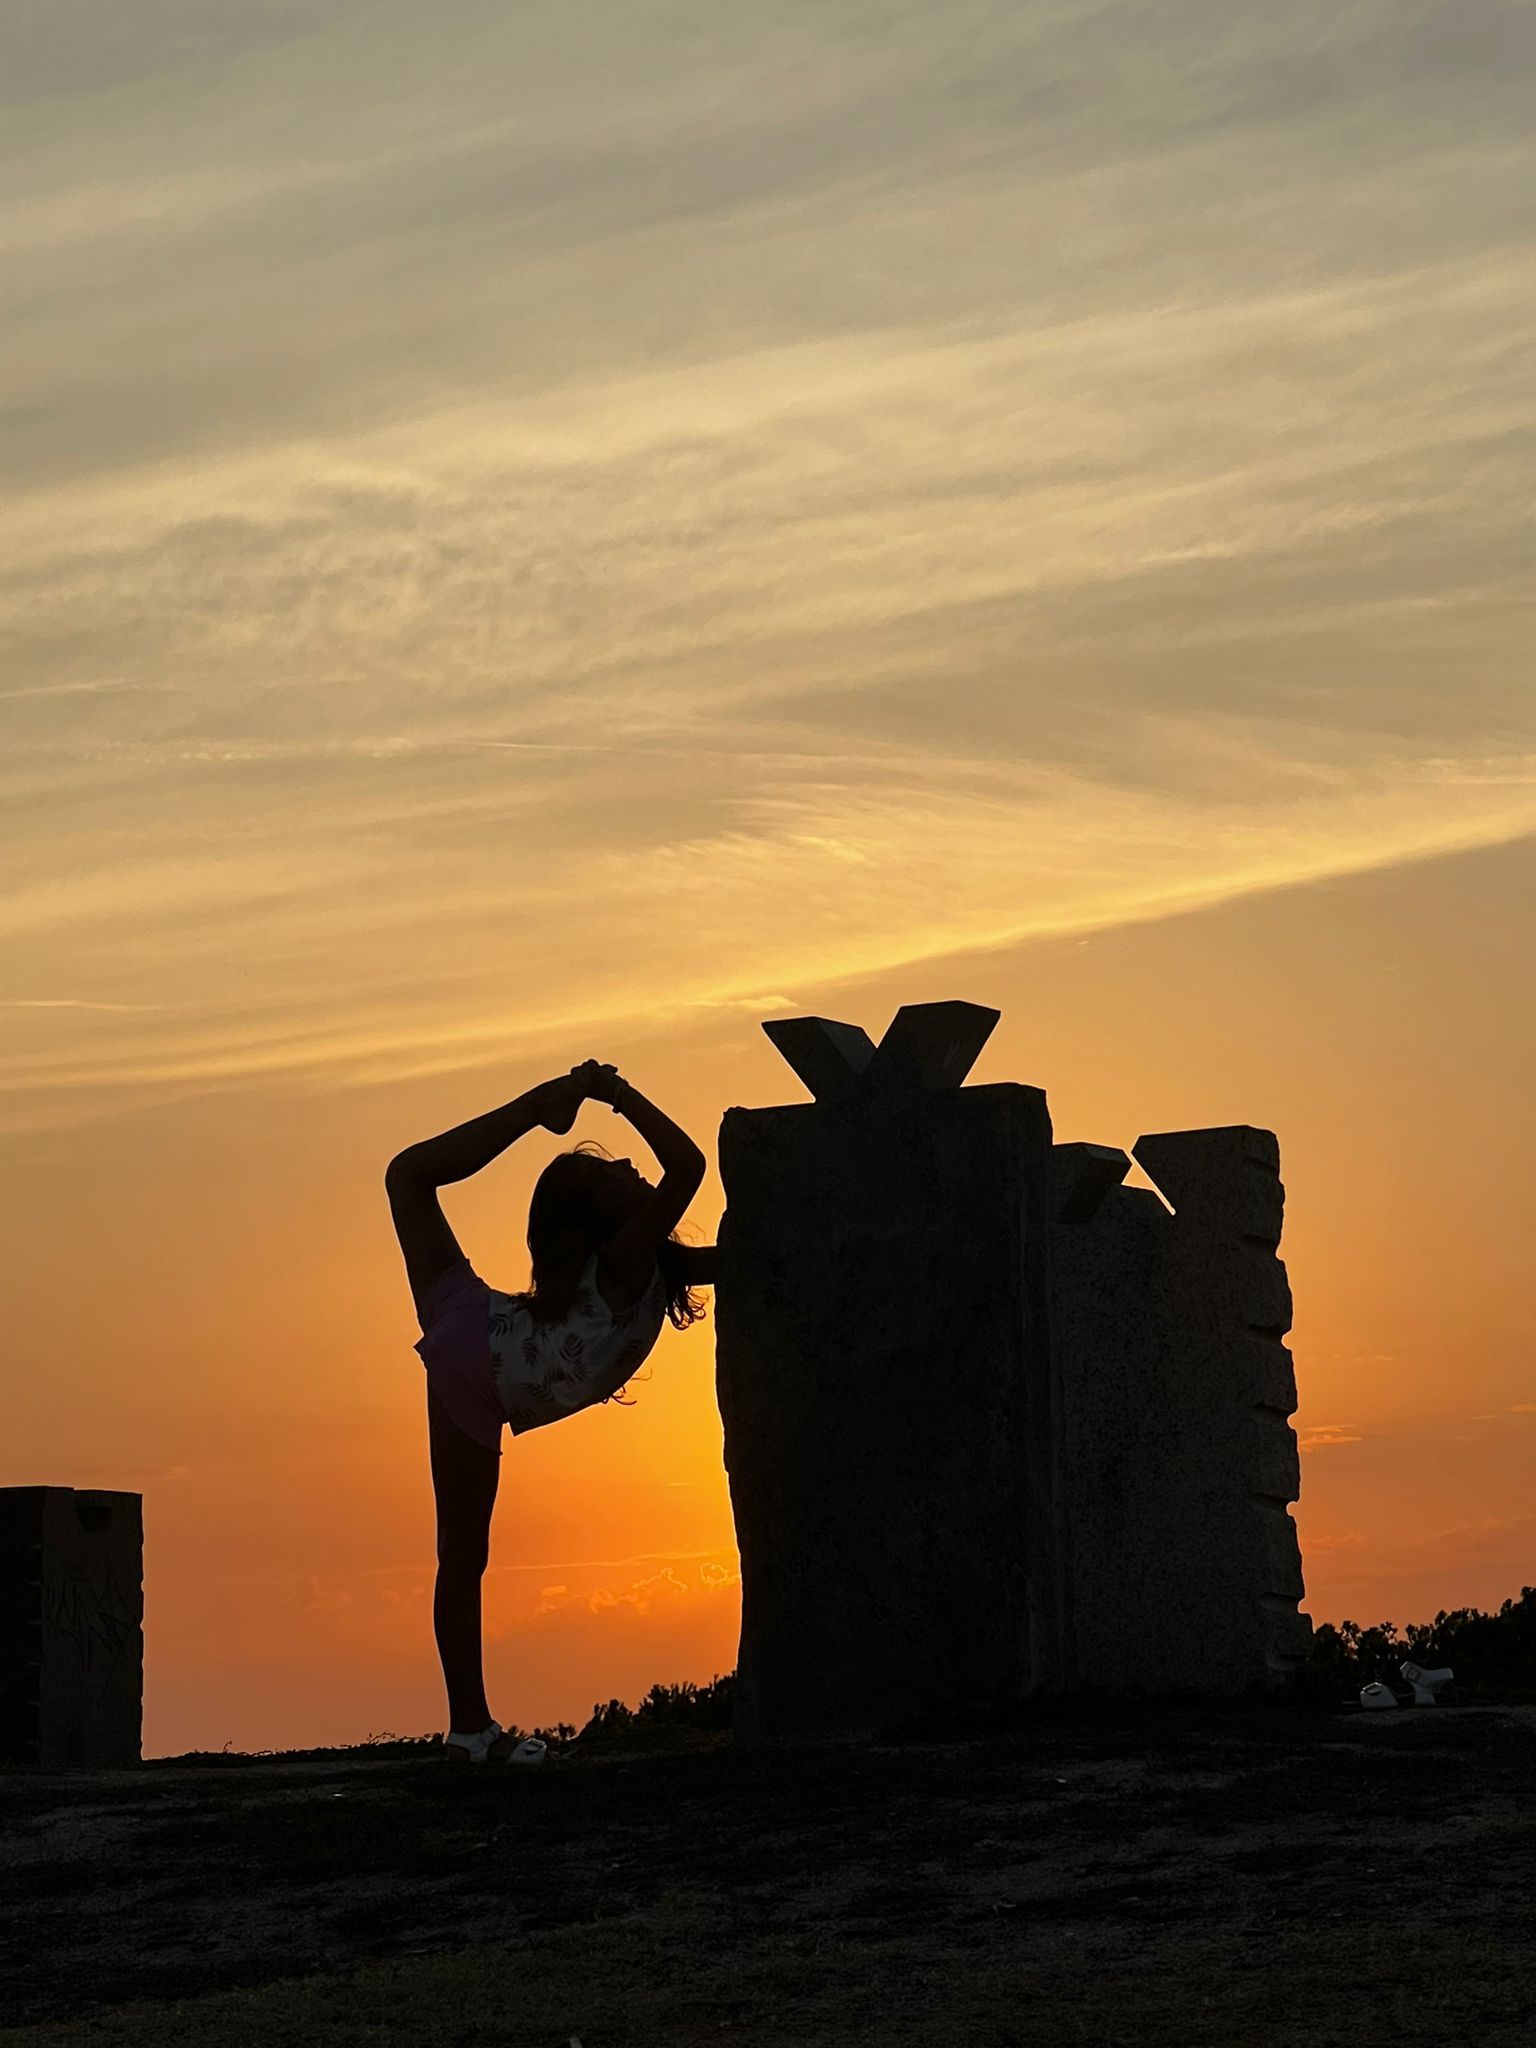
(493, 1745)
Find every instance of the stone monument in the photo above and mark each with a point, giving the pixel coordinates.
(71, 1627)
(995, 1425)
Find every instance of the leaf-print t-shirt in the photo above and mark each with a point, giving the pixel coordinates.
(490, 1362)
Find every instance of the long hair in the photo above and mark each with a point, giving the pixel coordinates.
(565, 1227)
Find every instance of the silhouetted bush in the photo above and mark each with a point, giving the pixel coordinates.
(667, 1706)
(383, 1748)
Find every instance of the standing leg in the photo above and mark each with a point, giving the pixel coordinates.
(464, 1475)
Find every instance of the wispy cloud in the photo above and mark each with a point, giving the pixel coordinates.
(968, 492)
(72, 1003)
(643, 1596)
(1325, 1436)
(708, 1560)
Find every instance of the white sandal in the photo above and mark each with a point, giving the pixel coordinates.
(476, 1749)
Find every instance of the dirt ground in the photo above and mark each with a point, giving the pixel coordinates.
(1268, 1877)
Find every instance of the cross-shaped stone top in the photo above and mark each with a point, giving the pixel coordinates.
(926, 1045)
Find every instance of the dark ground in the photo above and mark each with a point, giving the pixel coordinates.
(1184, 1880)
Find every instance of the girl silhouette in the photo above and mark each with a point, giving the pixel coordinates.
(607, 1270)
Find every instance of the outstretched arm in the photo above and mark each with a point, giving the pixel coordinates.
(631, 1252)
(438, 1162)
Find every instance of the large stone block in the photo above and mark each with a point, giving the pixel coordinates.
(71, 1626)
(995, 1423)
(883, 1379)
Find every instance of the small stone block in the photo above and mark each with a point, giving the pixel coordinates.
(1280, 1550)
(1084, 1175)
(825, 1055)
(71, 1627)
(1277, 1463)
(1269, 1370)
(932, 1045)
(1289, 1637)
(1231, 1173)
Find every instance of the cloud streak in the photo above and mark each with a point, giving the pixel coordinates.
(836, 500)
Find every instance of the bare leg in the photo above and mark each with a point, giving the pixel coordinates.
(464, 1476)
(456, 1624)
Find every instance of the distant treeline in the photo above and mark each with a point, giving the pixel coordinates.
(1492, 1655)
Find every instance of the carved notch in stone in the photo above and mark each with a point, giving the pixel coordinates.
(1084, 1175)
(824, 1055)
(926, 1045)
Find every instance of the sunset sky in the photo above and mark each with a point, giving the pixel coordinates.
(562, 530)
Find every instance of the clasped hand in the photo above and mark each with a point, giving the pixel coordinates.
(560, 1099)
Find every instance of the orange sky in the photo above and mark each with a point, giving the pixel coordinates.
(209, 1307)
(562, 532)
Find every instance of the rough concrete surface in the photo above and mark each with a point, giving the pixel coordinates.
(1178, 1459)
(881, 1437)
